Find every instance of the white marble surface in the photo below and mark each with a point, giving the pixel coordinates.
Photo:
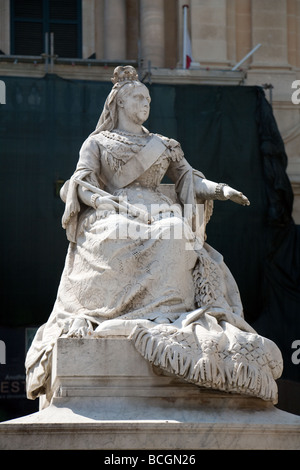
(118, 401)
(139, 263)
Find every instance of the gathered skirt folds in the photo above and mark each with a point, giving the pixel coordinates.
(178, 300)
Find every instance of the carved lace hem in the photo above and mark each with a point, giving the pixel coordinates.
(209, 369)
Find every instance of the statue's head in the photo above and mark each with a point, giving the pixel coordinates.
(133, 99)
(126, 90)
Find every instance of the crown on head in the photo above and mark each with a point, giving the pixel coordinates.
(124, 73)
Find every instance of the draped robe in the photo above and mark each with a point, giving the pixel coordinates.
(160, 284)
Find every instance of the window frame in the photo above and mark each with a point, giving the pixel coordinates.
(46, 21)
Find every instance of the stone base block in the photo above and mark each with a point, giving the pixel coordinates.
(104, 395)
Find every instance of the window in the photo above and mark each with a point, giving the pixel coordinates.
(32, 19)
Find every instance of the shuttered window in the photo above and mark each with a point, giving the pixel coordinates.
(32, 19)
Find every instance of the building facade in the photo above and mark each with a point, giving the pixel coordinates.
(92, 36)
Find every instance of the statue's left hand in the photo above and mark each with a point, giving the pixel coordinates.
(235, 196)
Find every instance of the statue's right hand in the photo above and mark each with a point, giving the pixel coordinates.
(72, 208)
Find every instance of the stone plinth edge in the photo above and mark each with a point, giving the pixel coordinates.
(104, 395)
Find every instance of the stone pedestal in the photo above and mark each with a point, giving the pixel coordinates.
(106, 396)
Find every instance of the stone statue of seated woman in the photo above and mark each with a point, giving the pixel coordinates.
(138, 264)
